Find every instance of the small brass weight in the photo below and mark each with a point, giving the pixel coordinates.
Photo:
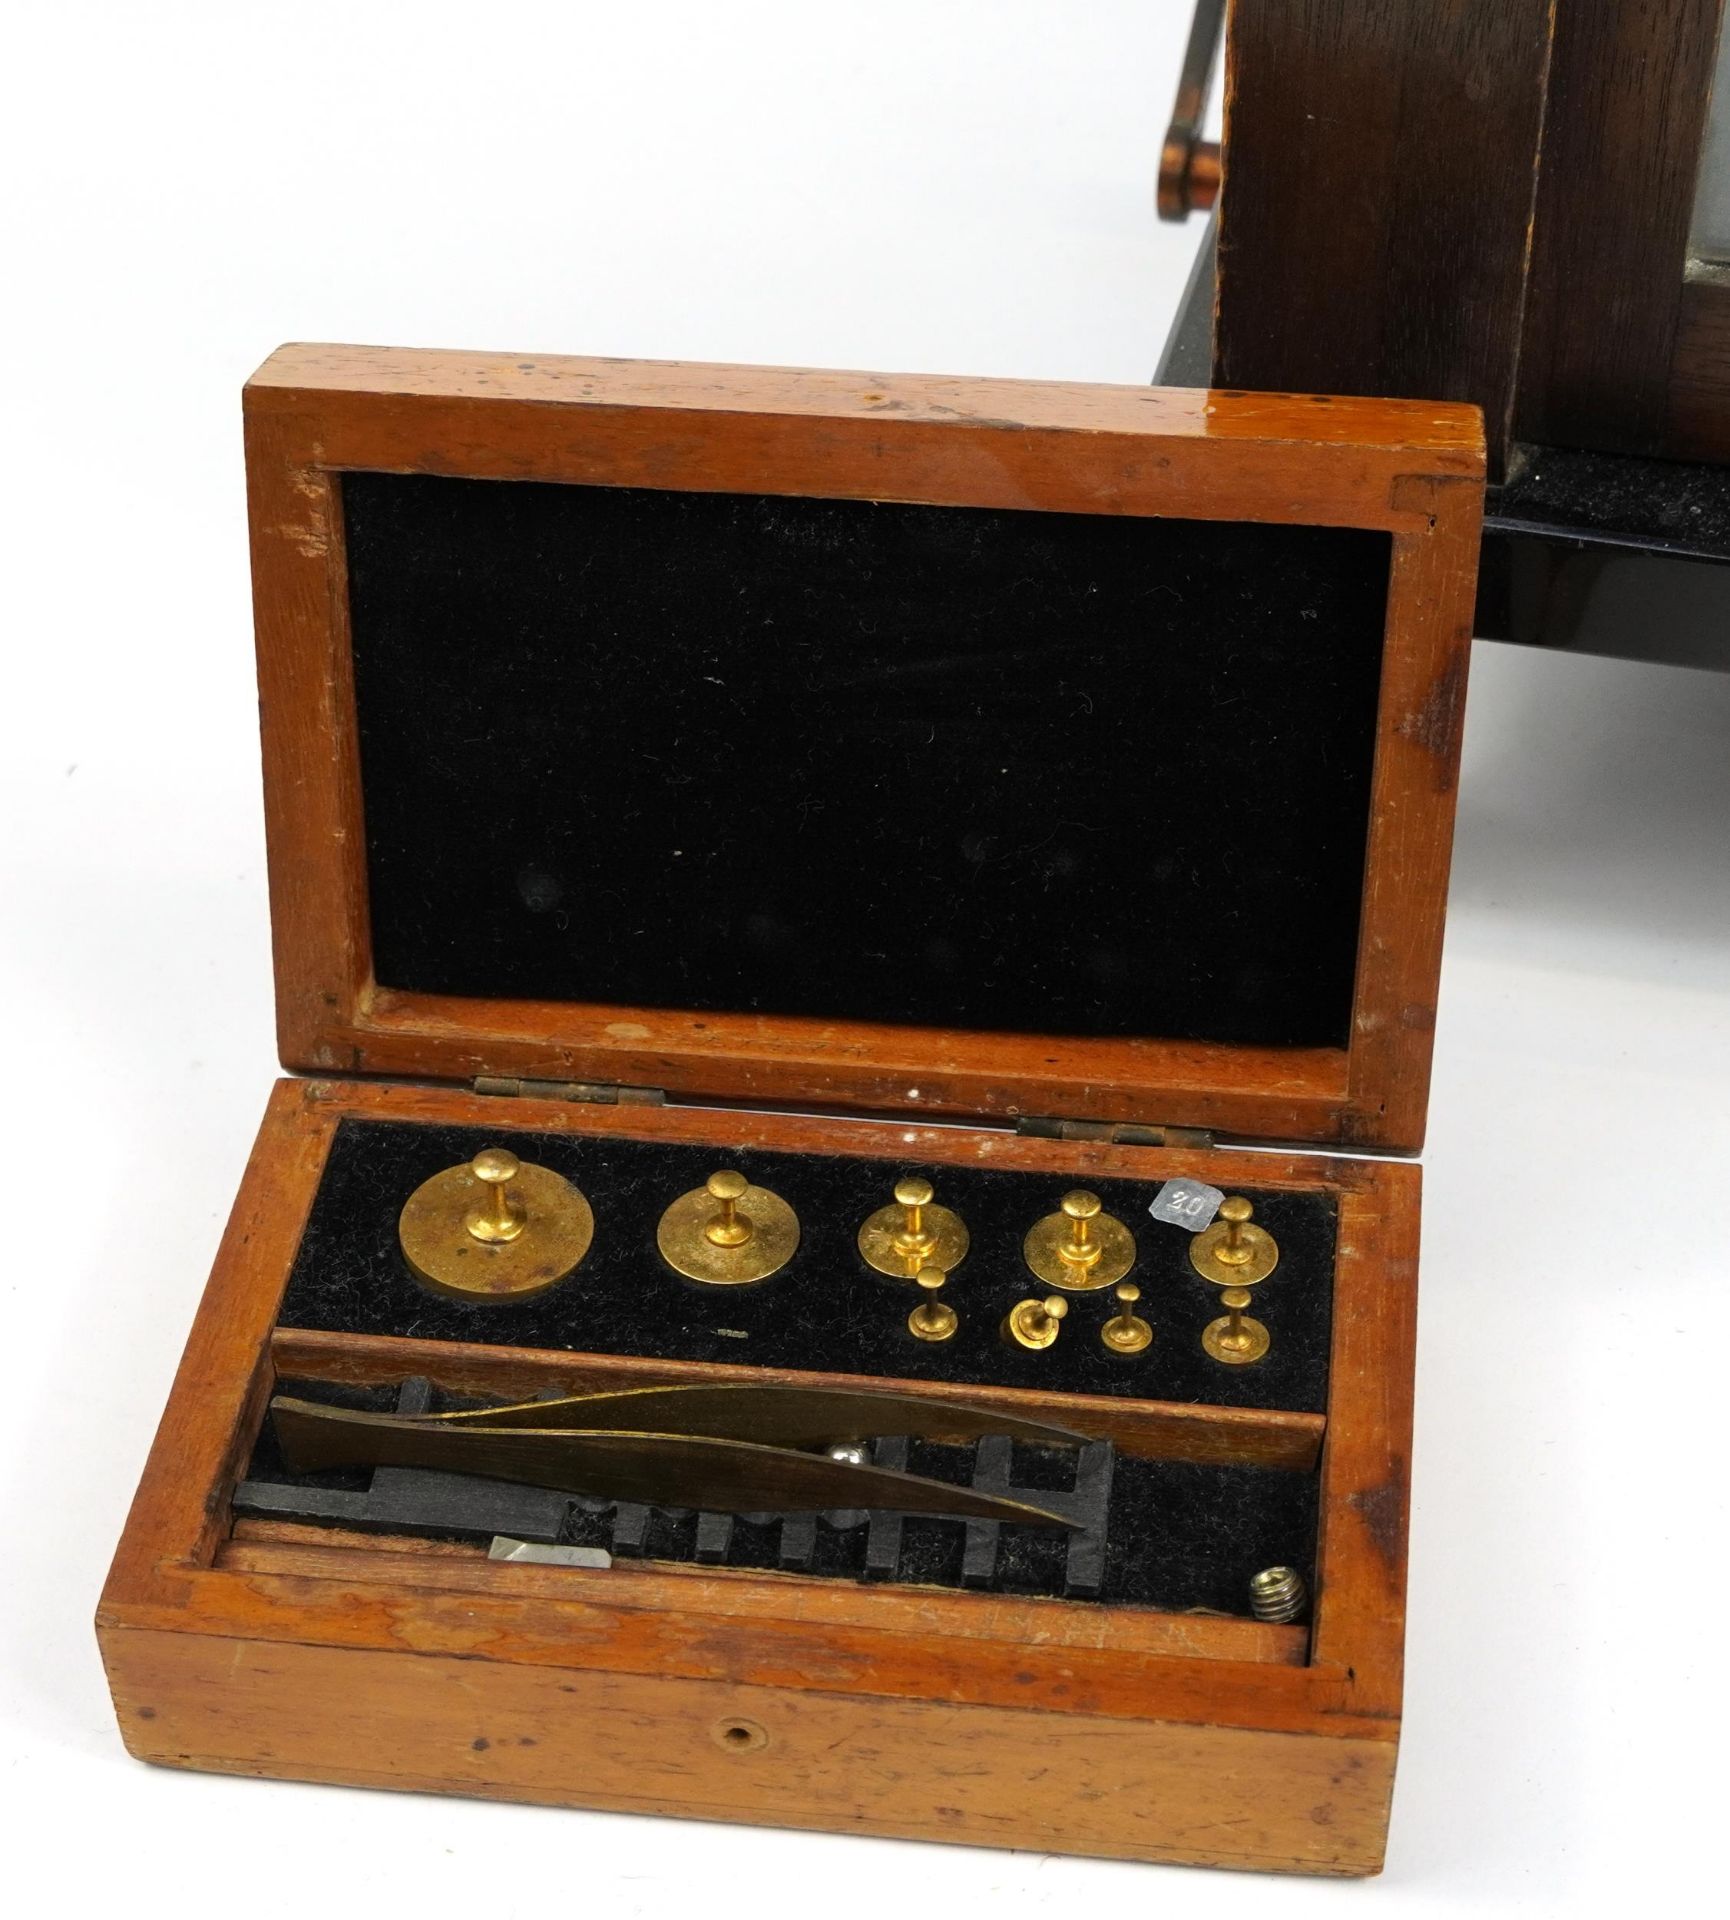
(1235, 1339)
(498, 1228)
(1035, 1324)
(913, 1233)
(1079, 1248)
(932, 1319)
(1234, 1251)
(1126, 1332)
(727, 1233)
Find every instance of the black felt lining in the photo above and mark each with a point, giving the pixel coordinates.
(1032, 772)
(1179, 1536)
(826, 1310)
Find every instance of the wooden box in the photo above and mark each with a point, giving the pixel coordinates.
(1030, 784)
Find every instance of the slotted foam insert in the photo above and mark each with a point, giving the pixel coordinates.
(1177, 1535)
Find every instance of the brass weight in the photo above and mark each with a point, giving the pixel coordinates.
(1079, 1248)
(728, 1233)
(1235, 1340)
(913, 1233)
(1234, 1251)
(932, 1319)
(1126, 1332)
(1035, 1324)
(497, 1228)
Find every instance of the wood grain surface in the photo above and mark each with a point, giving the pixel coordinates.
(791, 1756)
(1380, 170)
(1629, 88)
(1699, 422)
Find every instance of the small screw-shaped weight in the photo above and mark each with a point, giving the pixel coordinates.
(498, 1219)
(1035, 1324)
(913, 1242)
(1278, 1594)
(932, 1319)
(729, 1227)
(1126, 1332)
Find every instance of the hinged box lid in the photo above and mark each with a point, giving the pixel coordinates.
(964, 747)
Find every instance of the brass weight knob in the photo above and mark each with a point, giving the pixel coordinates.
(913, 1232)
(1080, 1247)
(1035, 1324)
(932, 1319)
(495, 1228)
(727, 1227)
(498, 1218)
(728, 1233)
(1234, 1251)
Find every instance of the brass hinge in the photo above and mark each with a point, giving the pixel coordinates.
(588, 1093)
(1121, 1133)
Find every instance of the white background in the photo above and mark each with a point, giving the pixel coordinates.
(955, 188)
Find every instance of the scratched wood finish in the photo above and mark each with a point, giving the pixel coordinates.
(1629, 88)
(1380, 164)
(788, 1756)
(277, 1548)
(1412, 468)
(390, 1666)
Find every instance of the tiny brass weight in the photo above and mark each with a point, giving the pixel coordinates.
(1126, 1332)
(1079, 1248)
(727, 1233)
(932, 1319)
(1235, 1340)
(913, 1233)
(498, 1228)
(1035, 1323)
(1234, 1252)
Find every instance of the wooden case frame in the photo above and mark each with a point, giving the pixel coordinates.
(275, 1650)
(263, 1648)
(1412, 470)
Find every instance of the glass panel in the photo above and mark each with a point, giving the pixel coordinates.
(1710, 239)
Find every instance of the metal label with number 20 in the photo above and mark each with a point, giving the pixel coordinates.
(1186, 1203)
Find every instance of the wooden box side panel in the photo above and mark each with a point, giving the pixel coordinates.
(1361, 1555)
(715, 1750)
(1412, 470)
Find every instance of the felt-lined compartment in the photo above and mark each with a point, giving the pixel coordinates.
(942, 766)
(826, 1310)
(1178, 1535)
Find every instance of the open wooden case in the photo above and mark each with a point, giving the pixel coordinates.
(839, 777)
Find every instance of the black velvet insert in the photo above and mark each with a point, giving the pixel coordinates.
(1178, 1536)
(826, 1310)
(1032, 772)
